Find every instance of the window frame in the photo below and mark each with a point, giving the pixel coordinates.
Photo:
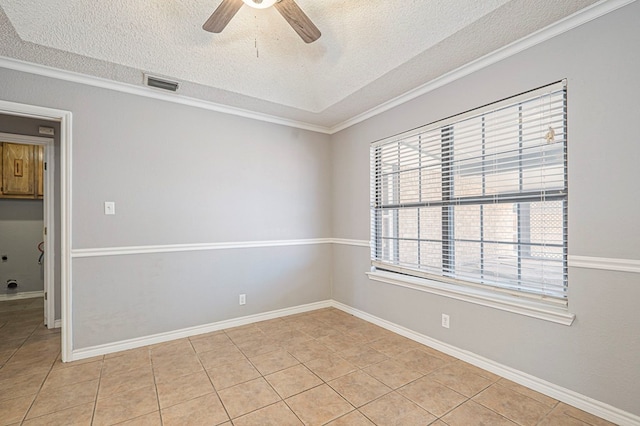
(537, 305)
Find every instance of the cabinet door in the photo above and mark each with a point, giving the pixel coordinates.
(17, 169)
(39, 170)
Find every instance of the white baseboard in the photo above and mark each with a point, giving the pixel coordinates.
(567, 396)
(21, 295)
(57, 323)
(192, 331)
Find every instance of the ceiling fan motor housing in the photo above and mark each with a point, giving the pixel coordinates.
(260, 4)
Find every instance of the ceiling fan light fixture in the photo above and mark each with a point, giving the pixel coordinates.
(289, 10)
(260, 4)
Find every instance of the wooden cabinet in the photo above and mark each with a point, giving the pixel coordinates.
(22, 171)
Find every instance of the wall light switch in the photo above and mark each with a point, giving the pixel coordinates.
(445, 320)
(109, 207)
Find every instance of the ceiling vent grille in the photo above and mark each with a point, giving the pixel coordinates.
(160, 83)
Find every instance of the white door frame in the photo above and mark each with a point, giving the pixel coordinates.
(64, 117)
(49, 221)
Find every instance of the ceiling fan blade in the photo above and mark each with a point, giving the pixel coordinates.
(298, 20)
(222, 15)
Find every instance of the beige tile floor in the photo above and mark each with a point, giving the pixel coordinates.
(316, 368)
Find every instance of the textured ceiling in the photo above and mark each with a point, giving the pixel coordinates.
(369, 52)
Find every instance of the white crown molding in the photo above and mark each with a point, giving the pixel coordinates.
(21, 295)
(74, 77)
(570, 397)
(192, 331)
(608, 264)
(579, 18)
(570, 22)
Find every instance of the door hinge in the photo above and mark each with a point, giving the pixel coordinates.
(45, 230)
(45, 295)
(45, 165)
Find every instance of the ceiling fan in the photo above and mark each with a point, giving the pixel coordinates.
(289, 10)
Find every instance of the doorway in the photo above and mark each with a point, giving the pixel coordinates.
(60, 202)
(28, 215)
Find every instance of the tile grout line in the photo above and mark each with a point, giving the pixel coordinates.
(341, 330)
(21, 344)
(263, 378)
(43, 381)
(208, 377)
(155, 382)
(500, 414)
(282, 399)
(95, 401)
(392, 390)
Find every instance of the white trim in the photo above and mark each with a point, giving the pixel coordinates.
(147, 92)
(477, 296)
(608, 264)
(357, 243)
(57, 323)
(570, 397)
(24, 139)
(21, 295)
(579, 18)
(64, 117)
(570, 22)
(48, 215)
(623, 265)
(50, 238)
(193, 331)
(66, 199)
(172, 248)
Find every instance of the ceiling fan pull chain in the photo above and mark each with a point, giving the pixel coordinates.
(256, 39)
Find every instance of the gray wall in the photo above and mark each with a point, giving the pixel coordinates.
(140, 295)
(598, 355)
(21, 223)
(183, 175)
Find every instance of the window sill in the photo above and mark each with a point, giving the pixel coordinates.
(507, 303)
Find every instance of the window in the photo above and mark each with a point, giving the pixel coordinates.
(479, 199)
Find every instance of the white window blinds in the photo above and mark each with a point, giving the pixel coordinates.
(479, 198)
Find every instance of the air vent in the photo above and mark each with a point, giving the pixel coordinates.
(160, 83)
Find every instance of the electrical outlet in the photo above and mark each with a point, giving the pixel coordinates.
(243, 299)
(109, 207)
(445, 320)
